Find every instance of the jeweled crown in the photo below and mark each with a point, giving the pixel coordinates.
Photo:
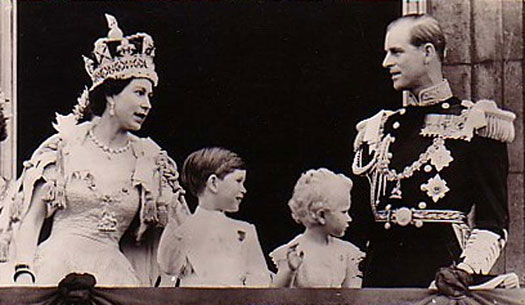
(118, 56)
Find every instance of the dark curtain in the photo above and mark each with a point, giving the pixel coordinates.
(281, 83)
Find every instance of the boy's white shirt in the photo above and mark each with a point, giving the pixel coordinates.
(212, 250)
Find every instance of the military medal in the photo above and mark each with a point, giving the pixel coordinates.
(440, 157)
(436, 188)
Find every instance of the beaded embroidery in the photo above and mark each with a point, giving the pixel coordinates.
(105, 148)
(108, 223)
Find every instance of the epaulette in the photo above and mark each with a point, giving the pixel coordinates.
(496, 123)
(482, 118)
(369, 130)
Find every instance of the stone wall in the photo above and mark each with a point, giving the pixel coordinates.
(485, 60)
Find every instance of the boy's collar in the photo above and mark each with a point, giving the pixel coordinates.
(209, 213)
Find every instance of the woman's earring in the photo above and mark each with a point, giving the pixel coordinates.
(111, 108)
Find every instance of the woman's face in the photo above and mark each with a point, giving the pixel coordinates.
(132, 104)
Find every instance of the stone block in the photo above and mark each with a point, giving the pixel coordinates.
(512, 30)
(513, 101)
(459, 77)
(454, 17)
(487, 81)
(487, 28)
(516, 148)
(515, 250)
(513, 86)
(414, 7)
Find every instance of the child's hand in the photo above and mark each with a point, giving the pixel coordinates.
(295, 259)
(178, 210)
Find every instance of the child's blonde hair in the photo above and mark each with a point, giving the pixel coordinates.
(312, 193)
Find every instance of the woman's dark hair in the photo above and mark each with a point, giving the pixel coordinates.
(97, 97)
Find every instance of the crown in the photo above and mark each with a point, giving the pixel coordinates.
(119, 57)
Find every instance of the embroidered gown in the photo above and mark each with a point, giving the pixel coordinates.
(92, 207)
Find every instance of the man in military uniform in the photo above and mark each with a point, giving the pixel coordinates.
(429, 164)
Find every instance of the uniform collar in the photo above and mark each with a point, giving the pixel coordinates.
(430, 96)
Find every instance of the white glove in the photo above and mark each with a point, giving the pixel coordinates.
(481, 252)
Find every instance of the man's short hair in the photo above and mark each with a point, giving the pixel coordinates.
(201, 164)
(425, 29)
(312, 193)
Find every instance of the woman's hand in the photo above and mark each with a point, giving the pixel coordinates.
(23, 275)
(24, 279)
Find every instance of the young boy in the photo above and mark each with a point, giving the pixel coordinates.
(209, 249)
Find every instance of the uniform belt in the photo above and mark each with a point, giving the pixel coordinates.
(410, 216)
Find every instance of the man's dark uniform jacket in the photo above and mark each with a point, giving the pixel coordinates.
(428, 165)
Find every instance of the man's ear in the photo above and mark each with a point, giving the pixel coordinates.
(429, 52)
(320, 216)
(212, 183)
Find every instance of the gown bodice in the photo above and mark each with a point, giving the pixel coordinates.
(100, 207)
(101, 203)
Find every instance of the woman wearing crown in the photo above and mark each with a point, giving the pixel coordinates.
(97, 180)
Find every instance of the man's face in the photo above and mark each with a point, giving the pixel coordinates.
(405, 62)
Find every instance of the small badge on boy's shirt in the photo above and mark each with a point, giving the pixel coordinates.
(242, 235)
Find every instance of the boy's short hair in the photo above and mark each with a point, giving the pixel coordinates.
(202, 163)
(312, 193)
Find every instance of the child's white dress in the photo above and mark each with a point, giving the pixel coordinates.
(212, 250)
(324, 266)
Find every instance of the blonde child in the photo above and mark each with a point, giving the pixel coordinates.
(210, 249)
(318, 258)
